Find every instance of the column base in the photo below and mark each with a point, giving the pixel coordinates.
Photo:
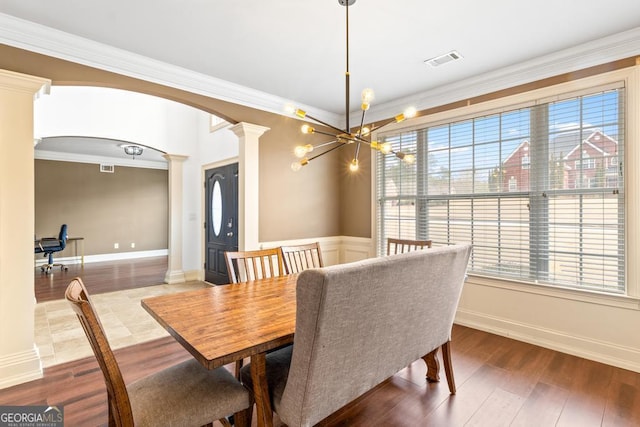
(20, 368)
(174, 276)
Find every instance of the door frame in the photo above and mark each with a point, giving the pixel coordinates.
(203, 213)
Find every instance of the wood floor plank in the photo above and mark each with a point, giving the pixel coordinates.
(623, 405)
(589, 391)
(498, 410)
(542, 408)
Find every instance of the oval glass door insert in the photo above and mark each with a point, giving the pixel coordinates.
(216, 208)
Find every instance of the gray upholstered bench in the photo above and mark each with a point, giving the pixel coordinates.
(358, 324)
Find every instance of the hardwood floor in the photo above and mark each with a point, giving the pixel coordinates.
(101, 277)
(500, 381)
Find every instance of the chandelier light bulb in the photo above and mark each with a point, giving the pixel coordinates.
(367, 97)
(307, 129)
(409, 159)
(290, 109)
(296, 166)
(365, 131)
(385, 148)
(410, 112)
(353, 166)
(300, 151)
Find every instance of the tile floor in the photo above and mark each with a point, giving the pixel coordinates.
(60, 338)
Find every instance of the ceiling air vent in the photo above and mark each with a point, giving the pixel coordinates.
(107, 168)
(443, 59)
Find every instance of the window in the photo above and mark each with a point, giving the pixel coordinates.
(556, 218)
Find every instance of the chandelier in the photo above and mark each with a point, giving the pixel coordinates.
(347, 136)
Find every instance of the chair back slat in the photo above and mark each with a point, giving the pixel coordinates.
(244, 266)
(400, 246)
(301, 257)
(120, 413)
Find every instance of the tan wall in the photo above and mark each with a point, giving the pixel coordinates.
(355, 196)
(124, 207)
(296, 205)
(304, 205)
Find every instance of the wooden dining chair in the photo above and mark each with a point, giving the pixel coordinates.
(245, 266)
(400, 246)
(301, 257)
(186, 394)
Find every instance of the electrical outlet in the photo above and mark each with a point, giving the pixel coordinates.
(116, 246)
(133, 245)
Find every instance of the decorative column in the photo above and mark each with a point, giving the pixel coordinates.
(19, 358)
(248, 184)
(175, 274)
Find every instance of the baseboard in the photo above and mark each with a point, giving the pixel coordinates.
(610, 354)
(19, 368)
(106, 257)
(194, 276)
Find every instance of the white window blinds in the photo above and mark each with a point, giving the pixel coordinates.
(538, 191)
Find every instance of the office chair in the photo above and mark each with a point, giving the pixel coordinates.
(51, 245)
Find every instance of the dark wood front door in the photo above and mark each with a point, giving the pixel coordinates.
(221, 222)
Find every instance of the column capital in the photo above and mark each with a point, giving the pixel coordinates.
(244, 129)
(175, 157)
(24, 83)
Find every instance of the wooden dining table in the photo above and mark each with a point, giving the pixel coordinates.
(222, 324)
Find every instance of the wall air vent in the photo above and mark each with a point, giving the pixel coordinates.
(443, 59)
(107, 168)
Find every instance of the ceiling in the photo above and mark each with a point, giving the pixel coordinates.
(295, 49)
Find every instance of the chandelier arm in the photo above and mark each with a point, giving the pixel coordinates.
(324, 144)
(323, 133)
(385, 123)
(325, 124)
(357, 150)
(362, 122)
(325, 152)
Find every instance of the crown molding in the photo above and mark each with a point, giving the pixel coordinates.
(38, 38)
(608, 49)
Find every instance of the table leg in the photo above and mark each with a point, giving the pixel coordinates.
(433, 366)
(261, 390)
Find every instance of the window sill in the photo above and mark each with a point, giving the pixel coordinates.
(592, 297)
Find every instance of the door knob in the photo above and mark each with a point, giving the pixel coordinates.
(230, 234)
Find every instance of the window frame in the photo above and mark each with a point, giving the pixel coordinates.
(627, 77)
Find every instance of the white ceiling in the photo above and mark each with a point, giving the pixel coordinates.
(294, 50)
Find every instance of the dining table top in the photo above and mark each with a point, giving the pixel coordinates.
(221, 324)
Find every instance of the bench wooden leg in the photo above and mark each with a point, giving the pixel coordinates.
(448, 366)
(433, 366)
